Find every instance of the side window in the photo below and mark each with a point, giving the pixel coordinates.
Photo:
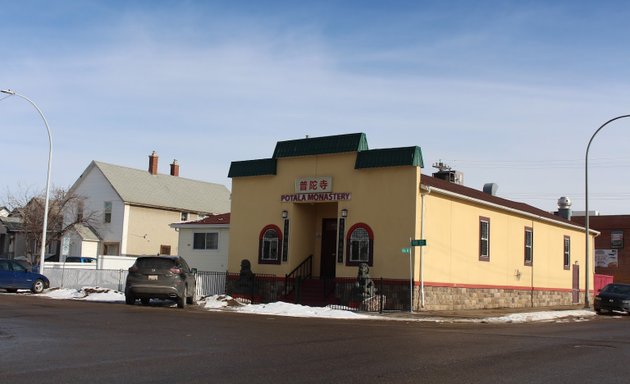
(360, 241)
(567, 252)
(529, 246)
(206, 240)
(269, 245)
(484, 239)
(107, 212)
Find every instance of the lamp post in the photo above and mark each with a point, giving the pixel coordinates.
(586, 220)
(50, 147)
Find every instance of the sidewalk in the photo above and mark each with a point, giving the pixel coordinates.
(494, 313)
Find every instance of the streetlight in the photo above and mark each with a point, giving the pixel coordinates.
(586, 221)
(45, 225)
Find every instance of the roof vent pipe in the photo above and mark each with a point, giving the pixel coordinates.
(490, 189)
(564, 208)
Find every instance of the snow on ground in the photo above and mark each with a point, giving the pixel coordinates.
(227, 303)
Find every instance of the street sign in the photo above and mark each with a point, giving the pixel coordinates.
(418, 243)
(405, 250)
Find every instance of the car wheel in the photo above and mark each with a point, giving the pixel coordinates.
(38, 286)
(191, 300)
(181, 301)
(11, 290)
(145, 302)
(130, 300)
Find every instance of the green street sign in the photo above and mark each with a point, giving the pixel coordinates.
(418, 243)
(405, 250)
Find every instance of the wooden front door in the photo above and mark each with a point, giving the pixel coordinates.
(329, 245)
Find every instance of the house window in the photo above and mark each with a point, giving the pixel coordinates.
(206, 240)
(616, 239)
(360, 245)
(484, 239)
(269, 245)
(184, 216)
(80, 208)
(110, 249)
(567, 252)
(165, 250)
(529, 246)
(107, 217)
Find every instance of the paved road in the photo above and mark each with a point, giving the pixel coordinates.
(61, 341)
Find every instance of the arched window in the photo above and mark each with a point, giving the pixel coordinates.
(360, 245)
(269, 245)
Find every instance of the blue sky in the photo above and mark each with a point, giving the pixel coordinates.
(503, 91)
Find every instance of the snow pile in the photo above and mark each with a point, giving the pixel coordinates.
(228, 303)
(578, 314)
(87, 294)
(278, 308)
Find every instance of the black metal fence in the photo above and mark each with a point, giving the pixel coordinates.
(390, 295)
(339, 293)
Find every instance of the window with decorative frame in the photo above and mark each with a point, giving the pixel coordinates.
(529, 246)
(270, 240)
(484, 239)
(360, 248)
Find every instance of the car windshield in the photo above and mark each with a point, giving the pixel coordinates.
(155, 263)
(614, 288)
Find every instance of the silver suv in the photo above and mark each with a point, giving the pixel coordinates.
(161, 277)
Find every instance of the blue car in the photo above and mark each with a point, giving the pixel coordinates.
(14, 276)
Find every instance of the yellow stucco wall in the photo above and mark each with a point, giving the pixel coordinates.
(452, 252)
(148, 229)
(388, 200)
(383, 198)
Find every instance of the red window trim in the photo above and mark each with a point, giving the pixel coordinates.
(484, 257)
(260, 244)
(370, 250)
(531, 261)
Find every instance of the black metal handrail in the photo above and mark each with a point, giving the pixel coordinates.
(302, 271)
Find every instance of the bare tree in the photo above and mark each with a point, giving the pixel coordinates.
(64, 209)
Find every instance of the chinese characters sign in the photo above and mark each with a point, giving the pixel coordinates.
(313, 184)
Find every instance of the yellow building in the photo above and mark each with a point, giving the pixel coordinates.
(332, 203)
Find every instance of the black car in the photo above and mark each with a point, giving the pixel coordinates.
(161, 277)
(614, 297)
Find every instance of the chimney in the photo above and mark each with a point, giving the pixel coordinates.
(153, 163)
(174, 168)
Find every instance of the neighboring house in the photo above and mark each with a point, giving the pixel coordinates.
(80, 240)
(204, 243)
(327, 205)
(612, 256)
(17, 241)
(134, 208)
(12, 239)
(4, 211)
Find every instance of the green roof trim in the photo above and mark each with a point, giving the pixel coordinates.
(353, 142)
(389, 157)
(258, 167)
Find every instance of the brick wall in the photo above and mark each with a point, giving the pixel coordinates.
(449, 298)
(606, 225)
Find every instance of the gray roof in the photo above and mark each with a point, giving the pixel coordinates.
(85, 232)
(139, 187)
(12, 224)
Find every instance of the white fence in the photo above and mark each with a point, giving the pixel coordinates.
(76, 277)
